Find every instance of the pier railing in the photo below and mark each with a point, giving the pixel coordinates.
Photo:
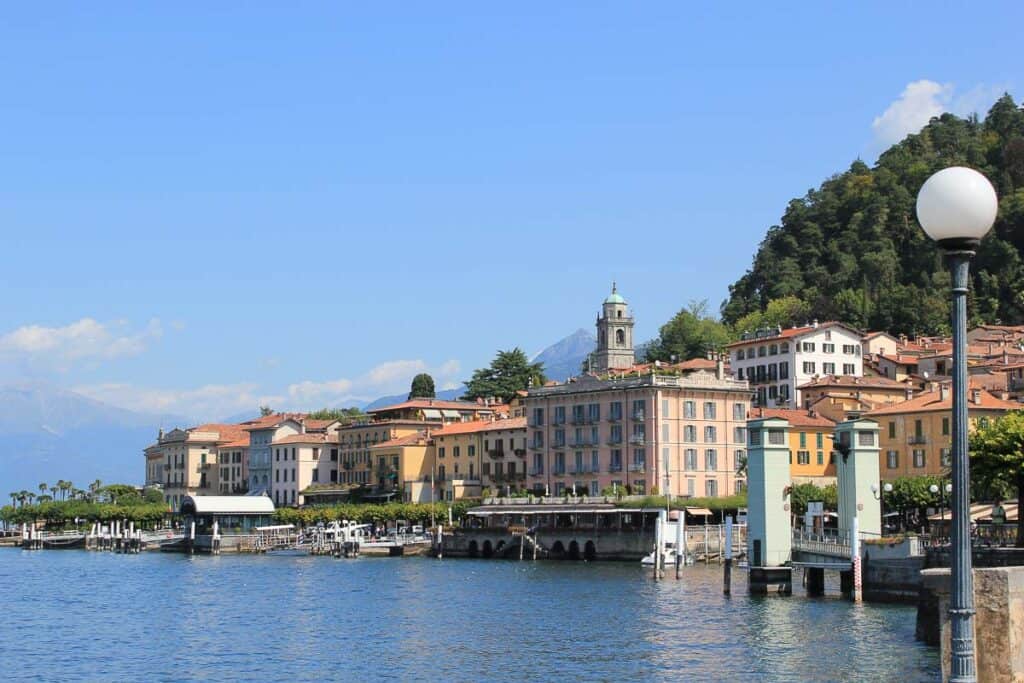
(834, 542)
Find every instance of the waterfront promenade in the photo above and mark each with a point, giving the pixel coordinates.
(98, 616)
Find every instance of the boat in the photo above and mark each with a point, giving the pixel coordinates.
(64, 541)
(668, 557)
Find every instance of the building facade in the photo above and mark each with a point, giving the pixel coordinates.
(299, 461)
(916, 436)
(681, 434)
(777, 362)
(183, 462)
(811, 458)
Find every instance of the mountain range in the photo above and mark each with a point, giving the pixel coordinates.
(48, 433)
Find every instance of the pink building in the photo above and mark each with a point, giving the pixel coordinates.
(682, 434)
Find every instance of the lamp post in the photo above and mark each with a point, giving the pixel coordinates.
(943, 491)
(879, 495)
(956, 207)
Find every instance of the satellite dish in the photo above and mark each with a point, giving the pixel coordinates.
(926, 374)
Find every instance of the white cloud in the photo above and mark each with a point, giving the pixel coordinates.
(86, 340)
(923, 100)
(208, 402)
(215, 401)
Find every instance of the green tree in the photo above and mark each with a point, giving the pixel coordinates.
(422, 386)
(997, 453)
(509, 372)
(343, 414)
(691, 333)
(788, 311)
(265, 411)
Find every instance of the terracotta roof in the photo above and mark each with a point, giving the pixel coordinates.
(240, 443)
(300, 438)
(317, 424)
(225, 432)
(795, 332)
(417, 439)
(270, 421)
(480, 426)
(932, 401)
(797, 418)
(852, 381)
(427, 403)
(902, 360)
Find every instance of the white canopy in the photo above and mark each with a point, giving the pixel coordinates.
(227, 505)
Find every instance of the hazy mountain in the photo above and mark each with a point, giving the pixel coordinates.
(48, 434)
(564, 358)
(448, 395)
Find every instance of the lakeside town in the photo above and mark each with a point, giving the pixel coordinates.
(620, 427)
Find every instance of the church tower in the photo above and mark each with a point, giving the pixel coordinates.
(614, 335)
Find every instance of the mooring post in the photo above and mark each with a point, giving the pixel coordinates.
(855, 556)
(658, 535)
(727, 575)
(680, 543)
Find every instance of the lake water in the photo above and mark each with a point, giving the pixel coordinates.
(75, 615)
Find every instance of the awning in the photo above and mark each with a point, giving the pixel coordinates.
(699, 512)
(451, 413)
(431, 414)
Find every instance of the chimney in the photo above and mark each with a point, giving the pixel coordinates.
(943, 392)
(720, 368)
(903, 340)
(976, 396)
(909, 394)
(815, 324)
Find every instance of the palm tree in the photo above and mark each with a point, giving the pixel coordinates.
(53, 492)
(42, 487)
(44, 498)
(14, 498)
(30, 496)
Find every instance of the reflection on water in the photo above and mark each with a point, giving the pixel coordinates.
(170, 617)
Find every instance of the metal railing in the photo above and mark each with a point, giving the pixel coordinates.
(825, 542)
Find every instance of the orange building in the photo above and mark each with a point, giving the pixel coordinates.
(810, 445)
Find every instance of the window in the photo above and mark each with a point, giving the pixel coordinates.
(690, 433)
(808, 367)
(471, 450)
(740, 355)
(739, 459)
(828, 368)
(821, 458)
(690, 487)
(739, 374)
(559, 417)
(946, 457)
(738, 411)
(538, 417)
(639, 409)
(559, 467)
(595, 461)
(615, 465)
(849, 369)
(945, 426)
(784, 370)
(664, 432)
(918, 457)
(316, 475)
(803, 457)
(711, 459)
(664, 407)
(615, 434)
(808, 347)
(594, 412)
(828, 348)
(762, 351)
(615, 411)
(710, 434)
(776, 437)
(820, 440)
(440, 452)
(455, 451)
(892, 430)
(803, 439)
(865, 438)
(709, 410)
(689, 410)
(711, 488)
(784, 348)
(691, 459)
(739, 434)
(849, 349)
(773, 350)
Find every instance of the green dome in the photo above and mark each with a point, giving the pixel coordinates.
(614, 298)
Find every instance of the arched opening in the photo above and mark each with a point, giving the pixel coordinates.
(620, 337)
(558, 550)
(488, 549)
(499, 548)
(574, 550)
(590, 551)
(474, 549)
(618, 314)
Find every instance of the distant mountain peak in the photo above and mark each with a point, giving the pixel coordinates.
(565, 357)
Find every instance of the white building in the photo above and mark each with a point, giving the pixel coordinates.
(777, 361)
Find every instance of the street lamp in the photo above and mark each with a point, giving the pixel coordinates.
(879, 495)
(956, 207)
(935, 488)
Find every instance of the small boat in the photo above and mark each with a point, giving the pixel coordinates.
(64, 541)
(668, 557)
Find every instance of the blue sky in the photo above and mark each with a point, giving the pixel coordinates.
(212, 204)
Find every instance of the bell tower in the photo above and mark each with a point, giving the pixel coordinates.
(614, 335)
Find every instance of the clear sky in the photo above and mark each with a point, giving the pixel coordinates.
(205, 205)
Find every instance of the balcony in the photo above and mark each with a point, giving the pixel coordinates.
(917, 439)
(520, 452)
(537, 472)
(614, 440)
(167, 467)
(535, 422)
(637, 439)
(639, 415)
(496, 453)
(536, 446)
(637, 467)
(579, 419)
(615, 417)
(558, 420)
(582, 443)
(558, 443)
(558, 471)
(615, 467)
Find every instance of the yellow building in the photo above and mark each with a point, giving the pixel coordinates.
(481, 454)
(184, 461)
(403, 466)
(841, 397)
(810, 445)
(355, 442)
(916, 435)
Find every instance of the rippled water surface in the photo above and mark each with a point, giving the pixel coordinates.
(74, 615)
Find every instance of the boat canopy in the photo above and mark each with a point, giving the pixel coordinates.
(227, 505)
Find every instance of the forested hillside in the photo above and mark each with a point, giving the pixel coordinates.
(852, 250)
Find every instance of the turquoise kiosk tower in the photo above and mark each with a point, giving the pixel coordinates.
(856, 446)
(769, 532)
